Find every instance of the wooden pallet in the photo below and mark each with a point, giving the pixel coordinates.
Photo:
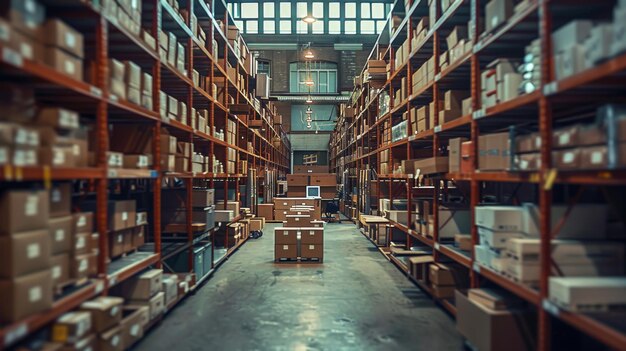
(300, 260)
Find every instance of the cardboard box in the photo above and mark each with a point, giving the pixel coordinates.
(494, 152)
(57, 33)
(313, 236)
(137, 161)
(297, 180)
(90, 342)
(83, 266)
(286, 236)
(285, 251)
(266, 211)
(105, 311)
(312, 251)
(569, 159)
(71, 327)
(64, 63)
(432, 165)
(256, 224)
(463, 241)
(60, 200)
(170, 288)
(83, 223)
(497, 12)
(23, 210)
(454, 154)
(138, 237)
(156, 304)
(575, 292)
(132, 324)
(298, 221)
(488, 329)
(60, 232)
(24, 253)
(60, 269)
(25, 295)
(323, 179)
(81, 244)
(142, 287)
(206, 198)
(110, 340)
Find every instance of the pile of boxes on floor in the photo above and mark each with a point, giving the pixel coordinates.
(118, 321)
(302, 234)
(281, 208)
(510, 244)
(31, 136)
(44, 247)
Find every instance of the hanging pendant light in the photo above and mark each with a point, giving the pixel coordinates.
(309, 19)
(309, 55)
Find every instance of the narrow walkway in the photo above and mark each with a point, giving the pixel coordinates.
(355, 300)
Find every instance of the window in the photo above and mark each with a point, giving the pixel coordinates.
(350, 27)
(302, 10)
(365, 10)
(285, 27)
(380, 25)
(350, 10)
(318, 10)
(378, 10)
(239, 25)
(301, 27)
(334, 27)
(249, 10)
(263, 66)
(252, 27)
(368, 27)
(269, 27)
(334, 10)
(323, 75)
(318, 27)
(285, 10)
(268, 10)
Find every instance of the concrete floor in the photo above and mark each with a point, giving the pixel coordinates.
(355, 300)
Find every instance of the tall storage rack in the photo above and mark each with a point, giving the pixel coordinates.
(358, 141)
(106, 37)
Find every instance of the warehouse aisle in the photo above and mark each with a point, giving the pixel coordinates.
(356, 300)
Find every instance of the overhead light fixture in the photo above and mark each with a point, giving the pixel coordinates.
(309, 100)
(308, 125)
(309, 55)
(309, 82)
(309, 19)
(309, 111)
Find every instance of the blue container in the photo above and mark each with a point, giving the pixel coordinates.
(198, 261)
(207, 257)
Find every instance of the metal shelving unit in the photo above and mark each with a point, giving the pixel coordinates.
(357, 139)
(107, 38)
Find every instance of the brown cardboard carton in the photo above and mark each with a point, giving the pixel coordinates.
(488, 329)
(58, 118)
(266, 211)
(111, 340)
(286, 236)
(443, 291)
(71, 327)
(494, 152)
(285, 251)
(60, 232)
(87, 343)
(312, 251)
(454, 154)
(297, 180)
(297, 221)
(566, 137)
(432, 165)
(463, 241)
(83, 222)
(439, 274)
(83, 266)
(142, 287)
(57, 33)
(60, 269)
(256, 224)
(323, 179)
(81, 244)
(496, 13)
(24, 253)
(312, 236)
(64, 63)
(569, 159)
(23, 210)
(453, 99)
(60, 199)
(25, 295)
(138, 237)
(594, 157)
(467, 157)
(106, 312)
(155, 303)
(131, 324)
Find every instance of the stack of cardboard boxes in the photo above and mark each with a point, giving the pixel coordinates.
(456, 103)
(145, 289)
(459, 44)
(297, 239)
(500, 82)
(25, 254)
(494, 152)
(424, 75)
(64, 48)
(283, 207)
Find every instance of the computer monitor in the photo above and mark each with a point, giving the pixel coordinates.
(313, 192)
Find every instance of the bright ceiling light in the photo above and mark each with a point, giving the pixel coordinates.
(309, 111)
(309, 55)
(309, 82)
(309, 19)
(309, 100)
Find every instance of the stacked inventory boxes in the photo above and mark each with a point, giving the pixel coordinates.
(144, 290)
(305, 243)
(25, 279)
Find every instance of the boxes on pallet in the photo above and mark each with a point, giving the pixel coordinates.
(581, 294)
(312, 236)
(132, 324)
(141, 287)
(312, 251)
(71, 327)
